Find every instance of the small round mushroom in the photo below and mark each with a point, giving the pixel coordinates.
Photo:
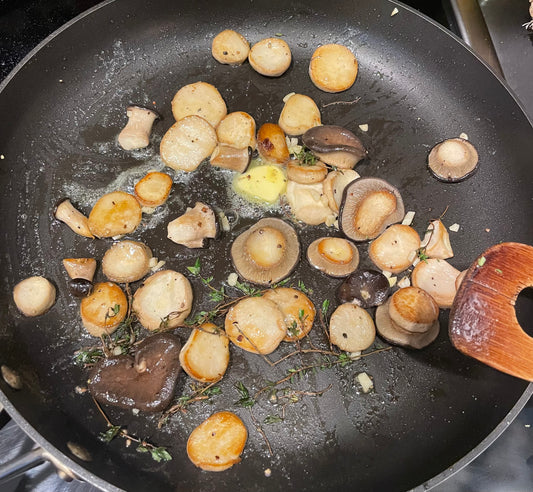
(136, 133)
(126, 261)
(335, 256)
(299, 114)
(34, 296)
(80, 287)
(230, 157)
(334, 145)
(366, 288)
(453, 160)
(368, 206)
(267, 252)
(115, 214)
(194, 227)
(270, 57)
(67, 213)
(304, 174)
(230, 47)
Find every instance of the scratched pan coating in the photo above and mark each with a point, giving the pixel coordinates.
(417, 85)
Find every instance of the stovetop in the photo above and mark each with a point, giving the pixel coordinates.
(507, 465)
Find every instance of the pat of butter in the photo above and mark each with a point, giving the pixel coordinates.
(264, 183)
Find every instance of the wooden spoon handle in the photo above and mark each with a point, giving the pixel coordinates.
(483, 321)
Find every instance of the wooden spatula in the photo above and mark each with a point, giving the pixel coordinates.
(483, 321)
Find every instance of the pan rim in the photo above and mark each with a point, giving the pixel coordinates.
(102, 484)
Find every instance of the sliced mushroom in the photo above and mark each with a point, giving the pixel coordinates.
(67, 213)
(202, 100)
(436, 242)
(299, 114)
(153, 190)
(126, 261)
(366, 288)
(145, 382)
(437, 278)
(298, 311)
(270, 57)
(335, 256)
(136, 133)
(232, 158)
(334, 185)
(333, 68)
(104, 309)
(230, 47)
(303, 174)
(309, 204)
(395, 250)
(34, 296)
(267, 252)
(164, 301)
(238, 130)
(415, 322)
(256, 324)
(351, 328)
(334, 145)
(115, 214)
(453, 160)
(368, 206)
(194, 227)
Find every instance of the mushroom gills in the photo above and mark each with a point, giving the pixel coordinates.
(334, 145)
(335, 256)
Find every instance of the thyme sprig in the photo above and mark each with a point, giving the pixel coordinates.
(306, 157)
(157, 453)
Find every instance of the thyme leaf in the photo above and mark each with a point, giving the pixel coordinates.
(110, 433)
(306, 157)
(195, 269)
(246, 400)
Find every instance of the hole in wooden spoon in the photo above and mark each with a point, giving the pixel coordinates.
(524, 310)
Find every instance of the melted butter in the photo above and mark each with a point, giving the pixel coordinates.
(263, 182)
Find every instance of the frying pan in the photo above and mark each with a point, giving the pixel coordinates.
(433, 410)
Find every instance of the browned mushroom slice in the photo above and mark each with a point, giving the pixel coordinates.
(368, 206)
(194, 227)
(366, 288)
(267, 252)
(145, 382)
(301, 173)
(453, 160)
(334, 145)
(230, 157)
(410, 318)
(335, 256)
(271, 143)
(115, 214)
(395, 250)
(351, 328)
(437, 277)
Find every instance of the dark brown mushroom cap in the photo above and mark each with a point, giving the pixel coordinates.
(396, 335)
(352, 200)
(334, 145)
(145, 382)
(453, 160)
(267, 252)
(366, 288)
(336, 257)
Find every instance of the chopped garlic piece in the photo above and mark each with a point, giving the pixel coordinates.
(454, 227)
(392, 281)
(331, 220)
(135, 411)
(152, 262)
(417, 261)
(354, 355)
(268, 472)
(288, 96)
(117, 351)
(408, 219)
(464, 136)
(224, 222)
(394, 12)
(386, 273)
(363, 127)
(232, 279)
(157, 266)
(117, 237)
(148, 210)
(366, 383)
(404, 282)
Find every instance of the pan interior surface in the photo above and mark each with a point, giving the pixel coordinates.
(416, 86)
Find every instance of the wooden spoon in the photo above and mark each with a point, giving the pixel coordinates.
(483, 321)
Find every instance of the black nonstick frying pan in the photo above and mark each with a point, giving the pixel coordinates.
(432, 410)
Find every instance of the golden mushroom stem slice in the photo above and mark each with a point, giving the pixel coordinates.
(115, 214)
(34, 296)
(437, 278)
(368, 206)
(351, 328)
(335, 256)
(267, 252)
(199, 99)
(396, 335)
(395, 250)
(230, 47)
(237, 129)
(301, 173)
(154, 189)
(413, 309)
(194, 227)
(126, 261)
(453, 160)
(270, 57)
(299, 114)
(272, 144)
(298, 311)
(103, 310)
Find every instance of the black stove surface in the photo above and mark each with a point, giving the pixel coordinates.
(506, 466)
